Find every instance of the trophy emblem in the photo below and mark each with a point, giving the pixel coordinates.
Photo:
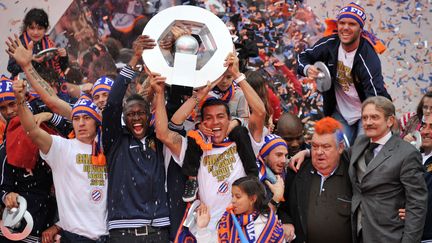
(195, 59)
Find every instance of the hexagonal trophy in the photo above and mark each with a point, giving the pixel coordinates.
(194, 59)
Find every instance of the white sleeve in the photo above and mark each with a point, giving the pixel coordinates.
(256, 146)
(168, 154)
(54, 153)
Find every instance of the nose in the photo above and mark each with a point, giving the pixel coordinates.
(367, 121)
(319, 150)
(295, 143)
(81, 122)
(135, 116)
(10, 111)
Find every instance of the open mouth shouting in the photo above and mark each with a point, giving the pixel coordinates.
(138, 128)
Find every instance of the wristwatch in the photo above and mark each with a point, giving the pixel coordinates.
(274, 203)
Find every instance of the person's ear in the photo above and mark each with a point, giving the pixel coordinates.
(341, 147)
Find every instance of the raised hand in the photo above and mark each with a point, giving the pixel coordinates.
(19, 88)
(42, 117)
(23, 56)
(143, 42)
(232, 62)
(157, 82)
(203, 216)
(178, 31)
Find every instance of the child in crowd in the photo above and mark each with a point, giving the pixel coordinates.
(34, 28)
(257, 221)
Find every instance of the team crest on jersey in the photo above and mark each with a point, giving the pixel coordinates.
(429, 168)
(223, 188)
(96, 195)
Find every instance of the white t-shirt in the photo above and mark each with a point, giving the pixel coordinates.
(219, 168)
(348, 101)
(80, 187)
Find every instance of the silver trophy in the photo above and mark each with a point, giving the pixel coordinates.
(196, 58)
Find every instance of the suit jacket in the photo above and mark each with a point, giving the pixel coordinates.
(394, 179)
(427, 232)
(295, 209)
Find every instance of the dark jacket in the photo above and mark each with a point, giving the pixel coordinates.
(366, 70)
(427, 231)
(35, 187)
(136, 185)
(297, 190)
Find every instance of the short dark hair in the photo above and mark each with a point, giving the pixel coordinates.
(213, 102)
(37, 16)
(139, 99)
(252, 186)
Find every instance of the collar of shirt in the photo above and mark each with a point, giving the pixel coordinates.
(426, 157)
(324, 178)
(381, 142)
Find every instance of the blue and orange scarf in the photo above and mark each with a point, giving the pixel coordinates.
(227, 232)
(46, 43)
(226, 95)
(205, 143)
(183, 234)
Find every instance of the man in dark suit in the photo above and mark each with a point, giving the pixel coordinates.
(319, 195)
(426, 134)
(387, 174)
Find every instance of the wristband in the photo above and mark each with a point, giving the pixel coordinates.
(240, 78)
(197, 100)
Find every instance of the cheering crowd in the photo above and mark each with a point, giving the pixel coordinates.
(267, 158)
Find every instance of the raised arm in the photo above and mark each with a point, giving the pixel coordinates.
(23, 57)
(41, 138)
(171, 139)
(111, 115)
(258, 112)
(186, 109)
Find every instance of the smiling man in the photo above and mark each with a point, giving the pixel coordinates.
(138, 209)
(350, 55)
(387, 174)
(426, 134)
(220, 164)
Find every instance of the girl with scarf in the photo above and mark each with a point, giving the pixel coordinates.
(35, 26)
(257, 221)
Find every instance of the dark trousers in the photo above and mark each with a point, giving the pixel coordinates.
(69, 237)
(146, 234)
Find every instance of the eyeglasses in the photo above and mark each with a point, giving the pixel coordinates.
(133, 114)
